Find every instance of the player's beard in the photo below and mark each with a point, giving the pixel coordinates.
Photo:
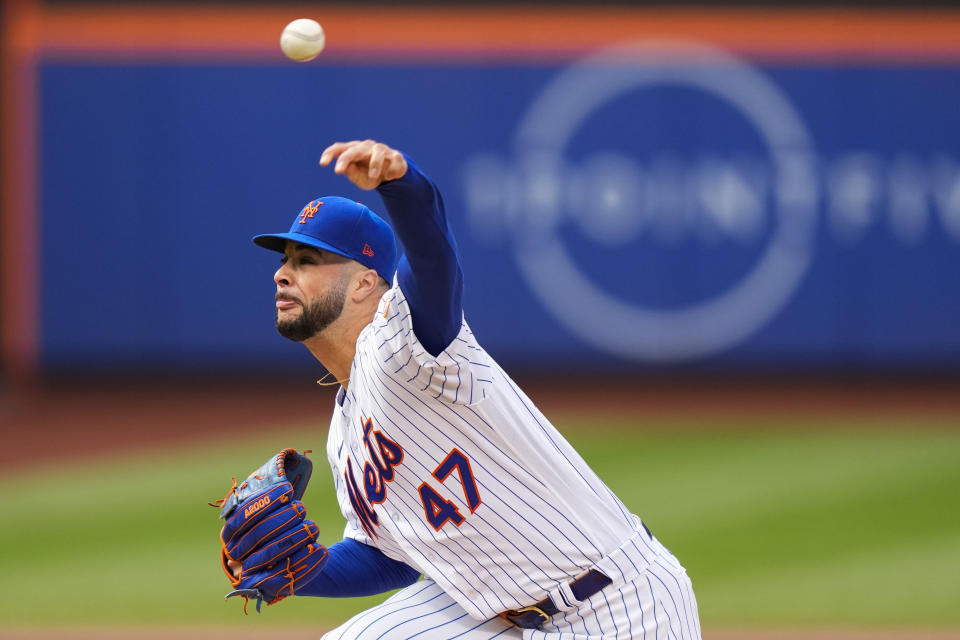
(316, 317)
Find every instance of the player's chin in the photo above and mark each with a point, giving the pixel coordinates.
(289, 315)
(293, 329)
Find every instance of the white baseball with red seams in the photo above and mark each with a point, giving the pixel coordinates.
(302, 40)
(443, 463)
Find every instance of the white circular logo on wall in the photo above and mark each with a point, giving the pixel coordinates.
(628, 329)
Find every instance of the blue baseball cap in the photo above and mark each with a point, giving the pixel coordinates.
(344, 227)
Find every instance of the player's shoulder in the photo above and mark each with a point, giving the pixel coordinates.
(458, 374)
(392, 319)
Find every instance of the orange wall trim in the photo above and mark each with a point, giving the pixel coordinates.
(503, 33)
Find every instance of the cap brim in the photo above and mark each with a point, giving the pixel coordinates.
(278, 242)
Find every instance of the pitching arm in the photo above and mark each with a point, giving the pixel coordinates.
(429, 272)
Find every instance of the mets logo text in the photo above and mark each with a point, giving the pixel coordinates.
(308, 211)
(384, 455)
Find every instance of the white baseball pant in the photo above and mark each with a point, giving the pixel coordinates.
(650, 598)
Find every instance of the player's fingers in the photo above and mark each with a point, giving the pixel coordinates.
(358, 153)
(379, 160)
(358, 176)
(335, 150)
(332, 152)
(387, 163)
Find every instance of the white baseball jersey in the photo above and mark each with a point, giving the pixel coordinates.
(444, 464)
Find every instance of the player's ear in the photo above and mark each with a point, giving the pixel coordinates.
(366, 282)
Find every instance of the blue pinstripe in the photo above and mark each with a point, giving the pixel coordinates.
(533, 415)
(420, 617)
(643, 622)
(355, 620)
(623, 510)
(442, 624)
(684, 593)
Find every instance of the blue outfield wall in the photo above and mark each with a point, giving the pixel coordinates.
(623, 212)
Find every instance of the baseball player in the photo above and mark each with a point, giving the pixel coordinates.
(443, 467)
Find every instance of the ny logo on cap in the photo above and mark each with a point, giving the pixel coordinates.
(367, 251)
(309, 210)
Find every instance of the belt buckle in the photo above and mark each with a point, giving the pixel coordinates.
(524, 617)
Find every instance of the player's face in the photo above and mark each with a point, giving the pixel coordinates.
(311, 291)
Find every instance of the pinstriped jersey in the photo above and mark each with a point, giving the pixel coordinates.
(443, 463)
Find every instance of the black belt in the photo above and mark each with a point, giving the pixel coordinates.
(583, 587)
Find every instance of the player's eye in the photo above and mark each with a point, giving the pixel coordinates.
(283, 260)
(307, 260)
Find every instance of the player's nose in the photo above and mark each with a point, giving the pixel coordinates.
(282, 276)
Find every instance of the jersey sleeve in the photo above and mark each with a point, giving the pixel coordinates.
(460, 374)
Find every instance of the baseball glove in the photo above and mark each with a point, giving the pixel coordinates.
(268, 547)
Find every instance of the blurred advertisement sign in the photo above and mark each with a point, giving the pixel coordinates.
(656, 196)
(676, 201)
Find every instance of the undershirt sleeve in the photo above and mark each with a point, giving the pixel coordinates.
(429, 272)
(356, 569)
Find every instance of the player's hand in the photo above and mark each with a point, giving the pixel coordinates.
(366, 163)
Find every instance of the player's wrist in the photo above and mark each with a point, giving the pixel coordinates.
(411, 177)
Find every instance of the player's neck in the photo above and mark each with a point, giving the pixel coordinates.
(335, 352)
(336, 346)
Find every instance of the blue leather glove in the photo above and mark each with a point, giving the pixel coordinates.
(268, 548)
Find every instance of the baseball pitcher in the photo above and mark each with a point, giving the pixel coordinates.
(455, 488)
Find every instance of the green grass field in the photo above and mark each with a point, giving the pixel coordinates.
(848, 525)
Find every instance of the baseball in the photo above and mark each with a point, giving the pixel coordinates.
(302, 39)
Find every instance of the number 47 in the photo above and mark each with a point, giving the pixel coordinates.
(438, 510)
